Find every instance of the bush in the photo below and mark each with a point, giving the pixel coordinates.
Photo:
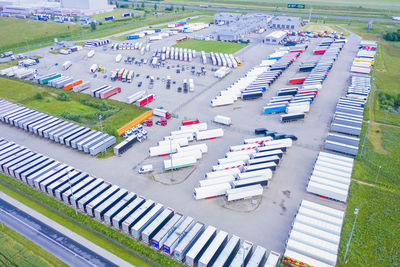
(392, 36)
(71, 117)
(38, 96)
(93, 26)
(63, 97)
(389, 101)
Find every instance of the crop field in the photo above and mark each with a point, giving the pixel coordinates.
(29, 32)
(16, 250)
(354, 8)
(79, 108)
(211, 46)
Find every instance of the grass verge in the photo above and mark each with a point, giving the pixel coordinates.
(16, 250)
(98, 233)
(211, 46)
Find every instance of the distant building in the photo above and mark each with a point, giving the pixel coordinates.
(85, 4)
(287, 23)
(275, 37)
(226, 18)
(238, 28)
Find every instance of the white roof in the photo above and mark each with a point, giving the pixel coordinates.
(276, 34)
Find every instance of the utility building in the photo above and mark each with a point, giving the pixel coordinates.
(275, 37)
(287, 23)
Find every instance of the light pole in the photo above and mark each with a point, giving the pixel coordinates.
(244, 253)
(72, 192)
(379, 170)
(172, 166)
(101, 127)
(365, 137)
(351, 234)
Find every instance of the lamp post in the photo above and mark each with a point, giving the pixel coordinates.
(379, 170)
(351, 234)
(172, 167)
(365, 137)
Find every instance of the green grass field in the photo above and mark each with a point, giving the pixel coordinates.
(16, 250)
(118, 113)
(211, 46)
(30, 32)
(370, 8)
(376, 237)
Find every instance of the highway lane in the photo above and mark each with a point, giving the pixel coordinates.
(49, 239)
(236, 9)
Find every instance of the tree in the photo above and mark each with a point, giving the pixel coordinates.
(117, 4)
(143, 4)
(93, 25)
(183, 8)
(155, 6)
(172, 7)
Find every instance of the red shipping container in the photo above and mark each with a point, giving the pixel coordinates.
(297, 80)
(190, 121)
(111, 92)
(143, 101)
(319, 52)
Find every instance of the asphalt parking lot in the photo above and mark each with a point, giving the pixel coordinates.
(269, 224)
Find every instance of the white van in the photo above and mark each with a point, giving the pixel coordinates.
(146, 168)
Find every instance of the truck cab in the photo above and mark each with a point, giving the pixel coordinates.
(146, 168)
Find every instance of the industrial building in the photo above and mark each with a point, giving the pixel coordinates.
(226, 18)
(236, 30)
(65, 7)
(289, 23)
(275, 37)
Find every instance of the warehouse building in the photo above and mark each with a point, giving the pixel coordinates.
(275, 37)
(244, 25)
(287, 23)
(226, 18)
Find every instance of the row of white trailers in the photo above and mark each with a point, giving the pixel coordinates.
(160, 227)
(18, 72)
(244, 170)
(65, 80)
(331, 176)
(177, 145)
(359, 88)
(225, 60)
(132, 46)
(314, 236)
(53, 128)
(180, 53)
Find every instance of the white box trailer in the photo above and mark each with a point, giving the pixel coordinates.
(334, 164)
(134, 216)
(343, 171)
(81, 87)
(178, 163)
(314, 242)
(198, 126)
(211, 191)
(229, 165)
(246, 175)
(148, 218)
(305, 259)
(186, 131)
(258, 257)
(331, 177)
(241, 152)
(197, 250)
(202, 147)
(259, 140)
(188, 240)
(117, 207)
(188, 136)
(66, 65)
(324, 226)
(136, 96)
(86, 189)
(163, 150)
(223, 120)
(243, 255)
(312, 252)
(90, 54)
(124, 213)
(152, 229)
(213, 175)
(275, 159)
(209, 134)
(211, 253)
(244, 192)
(92, 205)
(228, 252)
(167, 230)
(323, 209)
(334, 156)
(118, 58)
(335, 161)
(178, 233)
(327, 191)
(328, 182)
(244, 147)
(94, 193)
(179, 141)
(242, 157)
(193, 153)
(287, 142)
(222, 101)
(319, 215)
(267, 165)
(312, 231)
(218, 180)
(102, 209)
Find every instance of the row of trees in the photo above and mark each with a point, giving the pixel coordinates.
(392, 36)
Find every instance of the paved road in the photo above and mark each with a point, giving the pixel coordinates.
(236, 9)
(51, 240)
